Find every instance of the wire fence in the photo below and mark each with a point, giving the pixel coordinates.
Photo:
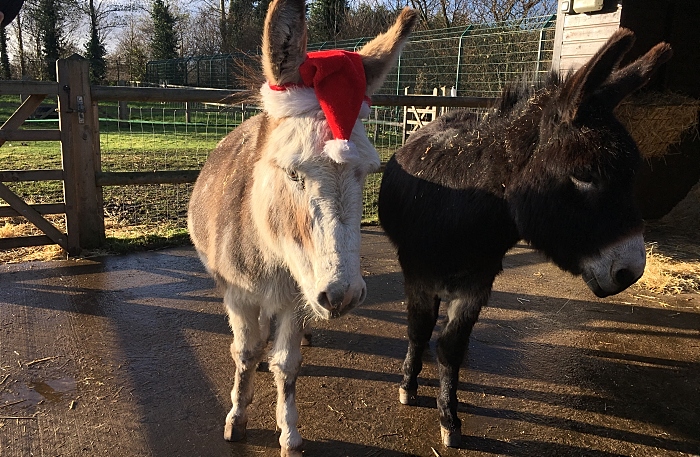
(178, 136)
(156, 137)
(173, 136)
(477, 60)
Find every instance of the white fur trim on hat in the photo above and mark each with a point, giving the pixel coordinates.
(292, 101)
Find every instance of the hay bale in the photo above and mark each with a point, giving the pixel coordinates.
(658, 120)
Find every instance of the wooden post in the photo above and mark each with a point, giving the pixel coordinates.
(435, 110)
(122, 111)
(404, 134)
(80, 152)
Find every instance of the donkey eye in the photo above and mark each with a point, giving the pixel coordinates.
(295, 176)
(582, 180)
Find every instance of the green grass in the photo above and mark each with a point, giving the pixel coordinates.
(144, 238)
(156, 138)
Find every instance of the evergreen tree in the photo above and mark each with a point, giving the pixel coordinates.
(164, 42)
(95, 50)
(326, 19)
(50, 36)
(4, 59)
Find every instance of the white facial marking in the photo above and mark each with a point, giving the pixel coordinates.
(325, 261)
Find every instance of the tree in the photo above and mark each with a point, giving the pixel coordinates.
(131, 54)
(50, 39)
(95, 50)
(241, 26)
(504, 10)
(20, 45)
(367, 20)
(201, 32)
(164, 43)
(4, 59)
(326, 19)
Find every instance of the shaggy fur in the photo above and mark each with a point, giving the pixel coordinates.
(277, 222)
(550, 164)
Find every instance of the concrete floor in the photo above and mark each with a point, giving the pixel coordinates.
(128, 356)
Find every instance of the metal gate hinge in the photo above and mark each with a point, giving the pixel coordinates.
(81, 109)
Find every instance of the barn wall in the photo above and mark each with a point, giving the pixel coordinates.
(579, 36)
(676, 22)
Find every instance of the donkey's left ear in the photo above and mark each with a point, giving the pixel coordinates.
(380, 54)
(284, 41)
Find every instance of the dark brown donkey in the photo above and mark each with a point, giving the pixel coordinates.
(551, 165)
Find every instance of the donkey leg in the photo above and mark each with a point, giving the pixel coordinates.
(422, 314)
(264, 321)
(452, 343)
(246, 350)
(285, 362)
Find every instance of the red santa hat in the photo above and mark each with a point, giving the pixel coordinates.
(338, 80)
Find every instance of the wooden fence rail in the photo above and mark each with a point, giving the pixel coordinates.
(79, 135)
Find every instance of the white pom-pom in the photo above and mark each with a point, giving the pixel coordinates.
(341, 151)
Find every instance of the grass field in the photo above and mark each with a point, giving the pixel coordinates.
(155, 137)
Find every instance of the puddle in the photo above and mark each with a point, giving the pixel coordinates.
(46, 391)
(54, 390)
(24, 395)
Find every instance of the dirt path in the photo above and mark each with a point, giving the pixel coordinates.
(128, 356)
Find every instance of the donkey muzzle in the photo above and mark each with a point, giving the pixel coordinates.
(618, 267)
(340, 300)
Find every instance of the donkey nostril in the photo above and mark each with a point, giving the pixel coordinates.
(625, 277)
(324, 301)
(330, 300)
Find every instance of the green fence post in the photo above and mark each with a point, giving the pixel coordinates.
(459, 57)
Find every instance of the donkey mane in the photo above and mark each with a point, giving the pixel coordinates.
(515, 93)
(509, 123)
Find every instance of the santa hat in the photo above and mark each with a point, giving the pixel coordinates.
(338, 82)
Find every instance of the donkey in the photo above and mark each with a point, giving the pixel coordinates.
(549, 164)
(275, 212)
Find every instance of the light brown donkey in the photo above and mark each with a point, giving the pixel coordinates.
(275, 213)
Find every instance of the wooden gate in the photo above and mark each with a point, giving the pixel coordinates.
(79, 136)
(414, 117)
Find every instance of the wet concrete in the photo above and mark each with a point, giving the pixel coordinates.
(128, 356)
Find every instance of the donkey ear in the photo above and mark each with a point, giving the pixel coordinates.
(579, 87)
(380, 54)
(633, 76)
(284, 41)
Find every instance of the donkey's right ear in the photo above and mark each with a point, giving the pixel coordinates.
(284, 41)
(633, 76)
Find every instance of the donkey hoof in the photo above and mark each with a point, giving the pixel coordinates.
(306, 339)
(408, 397)
(451, 438)
(234, 432)
(291, 452)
